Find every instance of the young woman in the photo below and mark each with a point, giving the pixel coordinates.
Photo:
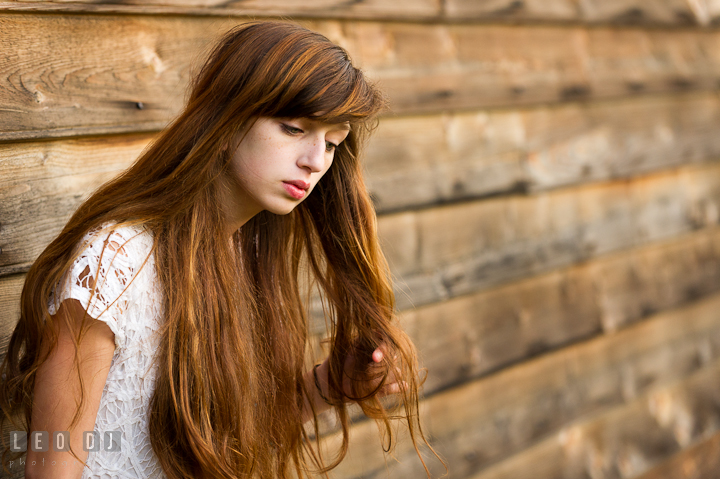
(169, 309)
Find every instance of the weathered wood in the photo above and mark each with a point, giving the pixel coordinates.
(630, 439)
(417, 161)
(43, 184)
(448, 251)
(472, 335)
(132, 75)
(17, 467)
(666, 12)
(600, 372)
(467, 66)
(411, 161)
(492, 241)
(497, 327)
(700, 461)
(10, 288)
(475, 425)
(333, 9)
(70, 75)
(623, 12)
(464, 338)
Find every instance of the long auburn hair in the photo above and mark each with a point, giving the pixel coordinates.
(229, 390)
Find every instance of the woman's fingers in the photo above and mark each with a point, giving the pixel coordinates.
(377, 355)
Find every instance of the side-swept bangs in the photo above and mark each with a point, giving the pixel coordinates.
(311, 77)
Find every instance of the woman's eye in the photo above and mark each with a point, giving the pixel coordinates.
(291, 129)
(330, 146)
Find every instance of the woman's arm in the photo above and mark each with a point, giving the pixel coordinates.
(57, 392)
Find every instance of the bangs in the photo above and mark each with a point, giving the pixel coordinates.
(336, 94)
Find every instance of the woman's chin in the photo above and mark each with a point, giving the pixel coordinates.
(283, 209)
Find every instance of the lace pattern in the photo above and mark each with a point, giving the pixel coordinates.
(127, 298)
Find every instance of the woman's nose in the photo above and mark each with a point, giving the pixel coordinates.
(313, 155)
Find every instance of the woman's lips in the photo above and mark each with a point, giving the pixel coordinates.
(294, 191)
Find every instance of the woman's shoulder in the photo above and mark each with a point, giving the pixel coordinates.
(126, 241)
(112, 265)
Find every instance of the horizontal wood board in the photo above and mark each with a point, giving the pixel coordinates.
(676, 13)
(491, 241)
(133, 76)
(447, 251)
(632, 440)
(700, 461)
(424, 160)
(411, 162)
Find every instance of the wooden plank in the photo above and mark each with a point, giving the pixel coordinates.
(599, 372)
(43, 184)
(480, 423)
(666, 12)
(493, 241)
(700, 461)
(616, 12)
(333, 9)
(495, 328)
(424, 160)
(517, 11)
(631, 439)
(411, 162)
(132, 76)
(16, 467)
(490, 66)
(623, 12)
(447, 251)
(10, 289)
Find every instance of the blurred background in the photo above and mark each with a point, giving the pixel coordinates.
(548, 194)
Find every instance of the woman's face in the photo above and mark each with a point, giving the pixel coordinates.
(275, 153)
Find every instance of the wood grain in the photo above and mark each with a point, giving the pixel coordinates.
(464, 338)
(435, 253)
(43, 184)
(469, 66)
(475, 425)
(631, 439)
(446, 251)
(424, 160)
(10, 289)
(501, 326)
(601, 371)
(411, 161)
(133, 74)
(472, 335)
(621, 12)
(700, 461)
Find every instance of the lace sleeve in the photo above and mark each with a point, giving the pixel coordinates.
(100, 278)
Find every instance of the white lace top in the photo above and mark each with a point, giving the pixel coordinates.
(129, 301)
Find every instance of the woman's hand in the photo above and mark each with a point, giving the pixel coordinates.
(373, 370)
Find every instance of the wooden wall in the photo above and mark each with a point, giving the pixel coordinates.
(548, 191)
